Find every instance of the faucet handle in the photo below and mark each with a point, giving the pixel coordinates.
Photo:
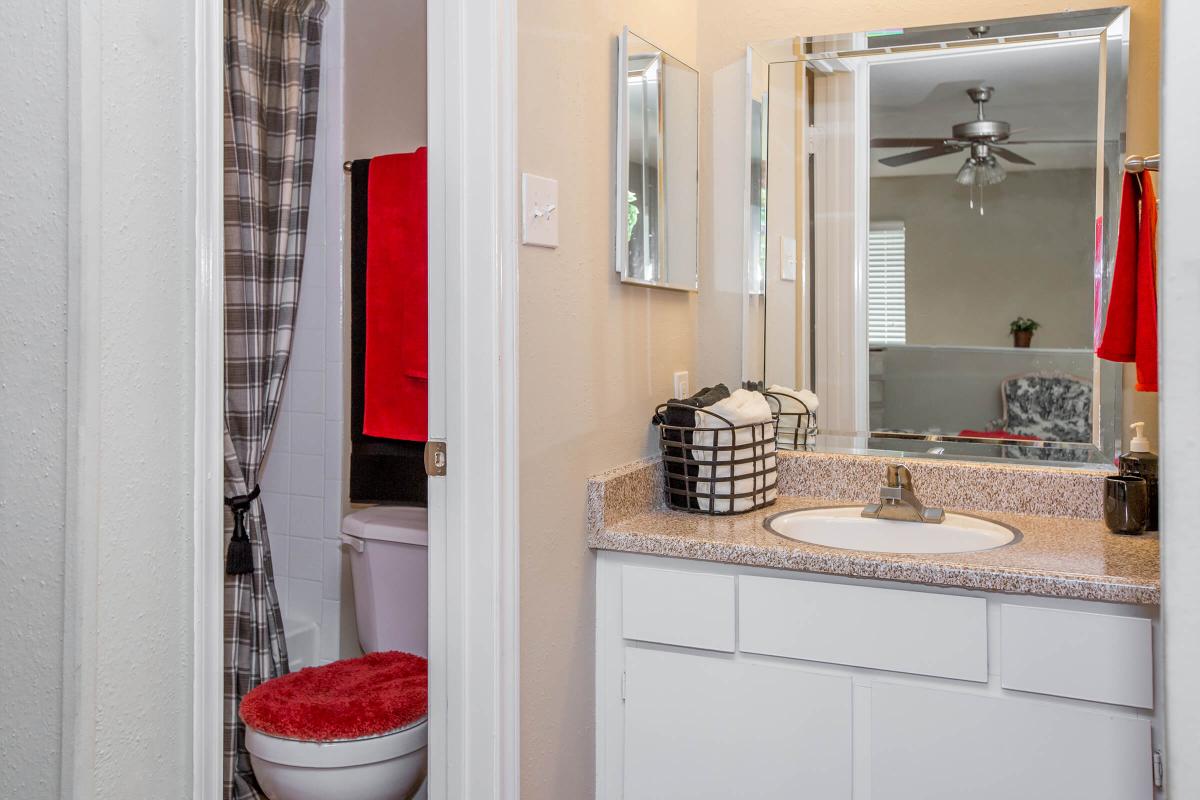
(898, 477)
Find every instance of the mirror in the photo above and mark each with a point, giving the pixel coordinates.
(658, 139)
(941, 209)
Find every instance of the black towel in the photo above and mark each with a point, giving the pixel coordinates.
(381, 470)
(678, 415)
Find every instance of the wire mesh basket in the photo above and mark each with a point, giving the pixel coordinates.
(716, 467)
(795, 430)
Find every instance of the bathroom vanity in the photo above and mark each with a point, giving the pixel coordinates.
(1012, 657)
(735, 662)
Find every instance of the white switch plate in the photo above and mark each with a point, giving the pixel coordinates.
(682, 390)
(787, 258)
(539, 210)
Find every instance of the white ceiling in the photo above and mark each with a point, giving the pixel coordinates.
(1043, 92)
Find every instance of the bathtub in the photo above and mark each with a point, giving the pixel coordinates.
(303, 642)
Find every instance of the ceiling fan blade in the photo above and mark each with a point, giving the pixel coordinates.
(1051, 141)
(883, 142)
(920, 155)
(1009, 155)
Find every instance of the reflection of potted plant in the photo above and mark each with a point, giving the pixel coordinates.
(1022, 329)
(631, 216)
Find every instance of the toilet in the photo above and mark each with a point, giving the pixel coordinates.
(308, 757)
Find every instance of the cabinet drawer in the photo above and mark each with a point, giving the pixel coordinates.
(689, 609)
(903, 631)
(1087, 656)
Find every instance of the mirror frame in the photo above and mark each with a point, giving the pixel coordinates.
(621, 169)
(1095, 23)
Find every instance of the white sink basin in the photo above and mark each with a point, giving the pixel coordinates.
(846, 528)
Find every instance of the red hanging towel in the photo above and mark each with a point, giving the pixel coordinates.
(1131, 328)
(395, 373)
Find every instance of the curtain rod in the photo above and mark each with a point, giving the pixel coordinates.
(1142, 163)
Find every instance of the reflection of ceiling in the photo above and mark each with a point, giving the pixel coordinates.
(1043, 92)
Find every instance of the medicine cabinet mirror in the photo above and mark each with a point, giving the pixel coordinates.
(657, 184)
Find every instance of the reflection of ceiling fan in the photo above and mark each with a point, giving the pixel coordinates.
(982, 135)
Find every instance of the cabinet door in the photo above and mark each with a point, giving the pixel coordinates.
(928, 744)
(709, 726)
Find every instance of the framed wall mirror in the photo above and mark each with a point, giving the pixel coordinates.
(941, 234)
(657, 163)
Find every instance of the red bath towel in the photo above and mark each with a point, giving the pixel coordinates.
(1131, 329)
(998, 435)
(395, 374)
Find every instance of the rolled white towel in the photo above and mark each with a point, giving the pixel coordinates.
(790, 400)
(740, 408)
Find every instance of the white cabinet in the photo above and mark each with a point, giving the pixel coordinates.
(668, 606)
(721, 681)
(932, 744)
(704, 727)
(921, 633)
(1097, 657)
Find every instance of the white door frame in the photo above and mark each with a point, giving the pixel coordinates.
(473, 602)
(473, 582)
(208, 589)
(1179, 326)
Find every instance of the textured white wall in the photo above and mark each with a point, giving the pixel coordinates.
(98, 207)
(33, 424)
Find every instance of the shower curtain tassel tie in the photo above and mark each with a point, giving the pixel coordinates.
(237, 558)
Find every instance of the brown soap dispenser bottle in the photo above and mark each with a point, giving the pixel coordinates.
(1141, 462)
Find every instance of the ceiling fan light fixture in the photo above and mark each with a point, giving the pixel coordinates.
(991, 172)
(980, 172)
(966, 173)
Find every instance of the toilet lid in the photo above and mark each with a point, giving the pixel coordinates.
(348, 699)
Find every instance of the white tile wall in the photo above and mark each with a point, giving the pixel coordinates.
(302, 481)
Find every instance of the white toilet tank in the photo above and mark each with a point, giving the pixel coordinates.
(389, 563)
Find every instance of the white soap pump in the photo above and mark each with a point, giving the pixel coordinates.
(1139, 443)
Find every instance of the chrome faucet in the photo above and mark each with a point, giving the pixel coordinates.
(897, 500)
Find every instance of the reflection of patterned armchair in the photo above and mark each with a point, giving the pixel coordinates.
(1053, 406)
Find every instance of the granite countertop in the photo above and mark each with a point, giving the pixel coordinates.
(1057, 556)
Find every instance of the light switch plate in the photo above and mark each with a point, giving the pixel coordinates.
(682, 390)
(539, 211)
(787, 258)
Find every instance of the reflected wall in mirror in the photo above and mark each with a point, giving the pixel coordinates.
(658, 139)
(954, 191)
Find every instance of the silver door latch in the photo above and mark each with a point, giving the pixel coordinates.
(435, 459)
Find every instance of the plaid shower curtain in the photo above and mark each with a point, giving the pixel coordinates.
(272, 64)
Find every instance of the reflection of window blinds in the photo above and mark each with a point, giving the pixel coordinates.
(885, 283)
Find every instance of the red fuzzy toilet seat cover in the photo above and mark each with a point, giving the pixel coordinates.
(348, 699)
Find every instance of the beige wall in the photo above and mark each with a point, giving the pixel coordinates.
(967, 277)
(385, 77)
(596, 356)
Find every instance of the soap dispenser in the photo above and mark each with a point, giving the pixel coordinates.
(1141, 462)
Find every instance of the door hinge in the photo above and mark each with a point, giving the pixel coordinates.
(622, 687)
(435, 459)
(1158, 769)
